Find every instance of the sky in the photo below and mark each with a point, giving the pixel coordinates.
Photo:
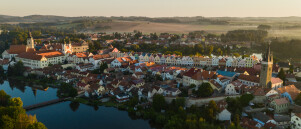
(153, 8)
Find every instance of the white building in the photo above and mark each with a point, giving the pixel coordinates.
(40, 59)
(296, 120)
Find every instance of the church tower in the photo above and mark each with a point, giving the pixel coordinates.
(30, 41)
(266, 69)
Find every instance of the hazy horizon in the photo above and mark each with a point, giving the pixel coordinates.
(154, 8)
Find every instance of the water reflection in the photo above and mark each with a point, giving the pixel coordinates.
(70, 115)
(74, 106)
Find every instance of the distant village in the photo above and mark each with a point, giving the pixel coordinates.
(128, 74)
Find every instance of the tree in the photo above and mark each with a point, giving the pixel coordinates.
(236, 54)
(74, 105)
(204, 90)
(1, 71)
(159, 77)
(212, 110)
(159, 102)
(37, 125)
(13, 115)
(66, 90)
(291, 69)
(282, 75)
(17, 70)
(4, 98)
(7, 122)
(16, 102)
(245, 99)
(264, 27)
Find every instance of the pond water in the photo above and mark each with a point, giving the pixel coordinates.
(68, 115)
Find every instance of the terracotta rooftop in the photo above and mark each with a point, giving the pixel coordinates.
(16, 49)
(249, 78)
(276, 80)
(291, 89)
(281, 101)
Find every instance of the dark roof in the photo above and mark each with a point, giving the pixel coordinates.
(261, 116)
(284, 64)
(249, 78)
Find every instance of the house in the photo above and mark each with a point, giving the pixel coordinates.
(15, 50)
(249, 80)
(226, 74)
(234, 88)
(137, 83)
(224, 115)
(215, 86)
(282, 120)
(276, 83)
(248, 123)
(139, 75)
(280, 105)
(223, 81)
(85, 67)
(290, 92)
(197, 76)
(82, 86)
(291, 77)
(122, 97)
(296, 120)
(97, 89)
(82, 46)
(262, 118)
(172, 91)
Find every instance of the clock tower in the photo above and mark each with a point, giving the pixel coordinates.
(266, 69)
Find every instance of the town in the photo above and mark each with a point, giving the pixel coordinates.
(248, 91)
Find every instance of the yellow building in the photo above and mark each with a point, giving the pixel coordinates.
(80, 47)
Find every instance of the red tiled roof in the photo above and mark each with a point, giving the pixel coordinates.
(291, 89)
(16, 49)
(281, 101)
(249, 78)
(276, 80)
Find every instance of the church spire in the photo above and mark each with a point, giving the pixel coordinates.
(29, 34)
(268, 56)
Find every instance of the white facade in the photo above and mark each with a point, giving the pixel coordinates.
(224, 115)
(295, 122)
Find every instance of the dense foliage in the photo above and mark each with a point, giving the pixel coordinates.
(13, 116)
(198, 49)
(175, 115)
(204, 90)
(245, 35)
(17, 69)
(235, 105)
(66, 90)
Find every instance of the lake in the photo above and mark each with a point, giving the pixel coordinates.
(67, 115)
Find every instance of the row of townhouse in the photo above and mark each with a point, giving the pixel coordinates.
(195, 60)
(88, 58)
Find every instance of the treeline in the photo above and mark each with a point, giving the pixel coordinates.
(285, 49)
(244, 35)
(176, 115)
(184, 50)
(13, 116)
(17, 34)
